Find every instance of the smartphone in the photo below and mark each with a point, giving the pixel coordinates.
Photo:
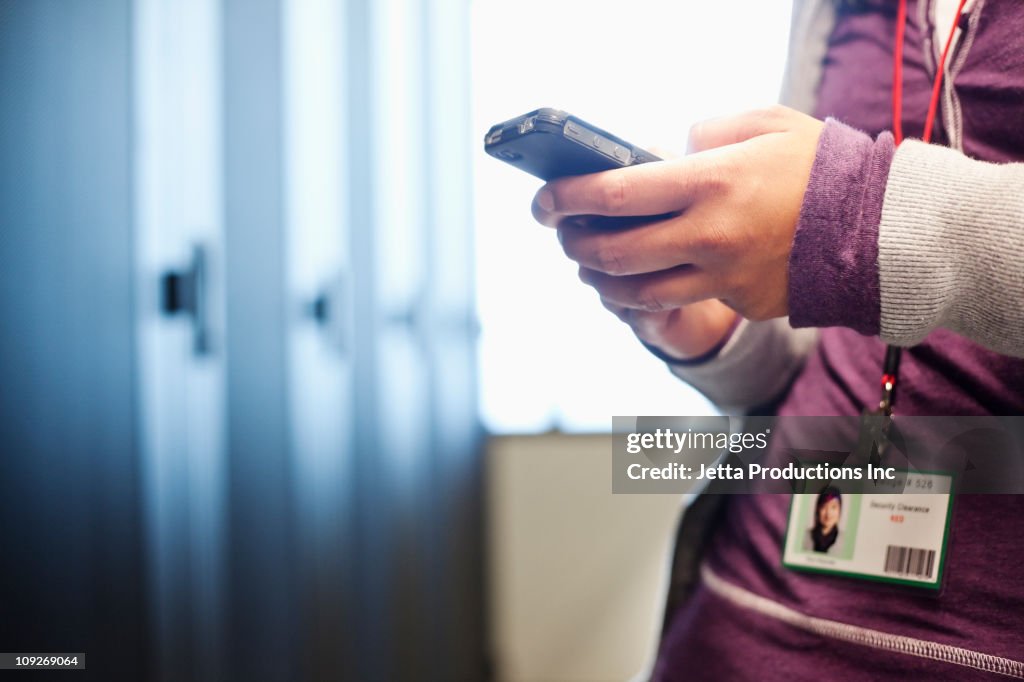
(550, 143)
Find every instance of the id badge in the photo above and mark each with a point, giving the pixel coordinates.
(896, 537)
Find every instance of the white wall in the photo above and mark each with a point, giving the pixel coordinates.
(576, 575)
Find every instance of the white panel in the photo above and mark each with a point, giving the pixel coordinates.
(578, 575)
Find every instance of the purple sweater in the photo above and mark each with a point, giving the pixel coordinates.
(834, 284)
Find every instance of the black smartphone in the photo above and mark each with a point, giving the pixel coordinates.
(550, 143)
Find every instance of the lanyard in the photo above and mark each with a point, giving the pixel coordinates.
(891, 366)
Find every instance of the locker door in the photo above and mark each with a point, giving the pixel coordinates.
(318, 299)
(71, 561)
(179, 284)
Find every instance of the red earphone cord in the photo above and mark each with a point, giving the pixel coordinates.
(890, 368)
(897, 74)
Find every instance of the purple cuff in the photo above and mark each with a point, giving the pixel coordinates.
(833, 267)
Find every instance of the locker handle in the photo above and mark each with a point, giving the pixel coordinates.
(184, 292)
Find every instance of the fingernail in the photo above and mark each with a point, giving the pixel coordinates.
(691, 142)
(546, 200)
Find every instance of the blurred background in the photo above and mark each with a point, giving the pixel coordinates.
(291, 385)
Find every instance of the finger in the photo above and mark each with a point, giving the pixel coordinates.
(649, 327)
(621, 312)
(650, 247)
(544, 216)
(645, 190)
(718, 132)
(653, 292)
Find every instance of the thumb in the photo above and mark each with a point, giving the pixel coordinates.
(718, 132)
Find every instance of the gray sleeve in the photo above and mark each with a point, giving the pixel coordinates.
(753, 368)
(951, 249)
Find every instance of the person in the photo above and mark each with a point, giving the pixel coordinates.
(824, 532)
(800, 240)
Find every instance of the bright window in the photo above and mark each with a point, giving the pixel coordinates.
(551, 356)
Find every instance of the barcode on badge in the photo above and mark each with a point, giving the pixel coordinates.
(909, 561)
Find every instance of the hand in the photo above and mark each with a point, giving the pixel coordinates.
(683, 333)
(732, 208)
